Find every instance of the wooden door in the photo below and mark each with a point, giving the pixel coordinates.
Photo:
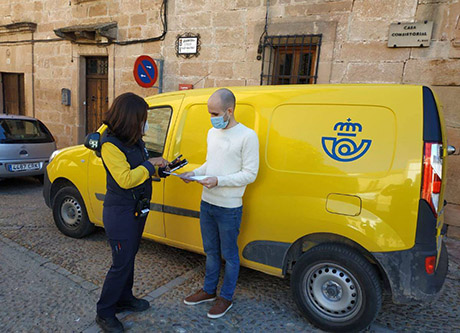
(13, 93)
(97, 99)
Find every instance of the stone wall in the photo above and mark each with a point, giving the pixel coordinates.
(353, 50)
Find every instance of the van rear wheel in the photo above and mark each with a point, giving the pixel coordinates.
(336, 288)
(69, 213)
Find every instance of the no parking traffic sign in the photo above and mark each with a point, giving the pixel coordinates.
(145, 71)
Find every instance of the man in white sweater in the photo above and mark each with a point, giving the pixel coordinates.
(232, 162)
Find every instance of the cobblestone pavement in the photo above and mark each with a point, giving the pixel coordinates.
(50, 282)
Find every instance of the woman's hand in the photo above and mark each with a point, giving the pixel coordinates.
(158, 161)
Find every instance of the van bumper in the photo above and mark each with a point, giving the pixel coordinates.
(47, 189)
(406, 273)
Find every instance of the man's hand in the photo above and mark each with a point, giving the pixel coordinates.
(158, 161)
(186, 175)
(209, 182)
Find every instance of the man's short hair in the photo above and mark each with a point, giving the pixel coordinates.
(227, 98)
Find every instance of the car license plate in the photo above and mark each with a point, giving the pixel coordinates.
(24, 167)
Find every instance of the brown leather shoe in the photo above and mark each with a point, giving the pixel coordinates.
(220, 308)
(199, 297)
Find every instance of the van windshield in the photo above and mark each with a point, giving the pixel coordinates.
(23, 131)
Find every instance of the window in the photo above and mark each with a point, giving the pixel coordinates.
(23, 131)
(290, 59)
(12, 86)
(155, 138)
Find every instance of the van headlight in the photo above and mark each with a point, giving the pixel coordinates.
(54, 154)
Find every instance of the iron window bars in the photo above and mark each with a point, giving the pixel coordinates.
(290, 59)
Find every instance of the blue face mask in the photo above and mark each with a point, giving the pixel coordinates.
(219, 122)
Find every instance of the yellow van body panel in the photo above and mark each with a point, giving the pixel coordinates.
(336, 159)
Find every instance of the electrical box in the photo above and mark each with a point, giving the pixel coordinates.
(65, 96)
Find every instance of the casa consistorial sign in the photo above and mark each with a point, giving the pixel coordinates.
(416, 34)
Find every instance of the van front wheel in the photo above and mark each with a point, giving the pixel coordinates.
(69, 213)
(336, 288)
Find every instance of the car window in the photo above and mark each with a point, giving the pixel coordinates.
(23, 131)
(155, 138)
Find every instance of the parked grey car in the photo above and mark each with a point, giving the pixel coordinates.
(25, 147)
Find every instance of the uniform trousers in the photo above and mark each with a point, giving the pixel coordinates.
(124, 232)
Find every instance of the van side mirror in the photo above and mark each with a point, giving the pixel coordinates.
(93, 141)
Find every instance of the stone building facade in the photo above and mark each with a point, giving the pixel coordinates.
(346, 42)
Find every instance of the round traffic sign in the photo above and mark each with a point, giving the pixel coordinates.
(145, 71)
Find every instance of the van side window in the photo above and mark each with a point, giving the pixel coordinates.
(155, 138)
(194, 127)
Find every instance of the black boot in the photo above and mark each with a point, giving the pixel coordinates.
(135, 305)
(112, 325)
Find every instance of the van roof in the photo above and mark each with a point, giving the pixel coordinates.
(290, 87)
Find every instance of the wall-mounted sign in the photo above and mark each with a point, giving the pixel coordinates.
(188, 45)
(145, 71)
(417, 34)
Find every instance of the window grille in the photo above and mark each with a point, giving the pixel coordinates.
(97, 66)
(290, 59)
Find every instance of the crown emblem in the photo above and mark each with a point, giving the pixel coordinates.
(347, 128)
(345, 147)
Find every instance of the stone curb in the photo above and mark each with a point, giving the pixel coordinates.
(46, 263)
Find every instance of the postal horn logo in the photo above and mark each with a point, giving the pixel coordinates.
(344, 147)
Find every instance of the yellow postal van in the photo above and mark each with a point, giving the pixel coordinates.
(348, 201)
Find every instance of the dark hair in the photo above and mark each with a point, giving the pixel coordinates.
(126, 117)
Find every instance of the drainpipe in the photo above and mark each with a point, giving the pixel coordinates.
(33, 76)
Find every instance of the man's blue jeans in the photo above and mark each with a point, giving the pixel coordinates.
(220, 227)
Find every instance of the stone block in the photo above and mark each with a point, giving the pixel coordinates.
(338, 72)
(231, 53)
(453, 181)
(371, 52)
(249, 69)
(324, 72)
(453, 232)
(193, 69)
(222, 69)
(444, 72)
(394, 9)
(230, 36)
(138, 19)
(229, 19)
(296, 10)
(329, 7)
(365, 30)
(248, 3)
(191, 6)
(379, 72)
(436, 12)
(230, 83)
(99, 9)
(448, 96)
(452, 215)
(436, 50)
(201, 20)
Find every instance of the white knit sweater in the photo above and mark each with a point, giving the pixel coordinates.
(232, 156)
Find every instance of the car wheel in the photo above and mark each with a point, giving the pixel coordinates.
(336, 288)
(69, 213)
(40, 178)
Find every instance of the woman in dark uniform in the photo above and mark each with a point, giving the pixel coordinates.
(129, 172)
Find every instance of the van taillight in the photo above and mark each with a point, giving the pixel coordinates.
(432, 174)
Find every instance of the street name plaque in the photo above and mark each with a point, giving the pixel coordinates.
(416, 34)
